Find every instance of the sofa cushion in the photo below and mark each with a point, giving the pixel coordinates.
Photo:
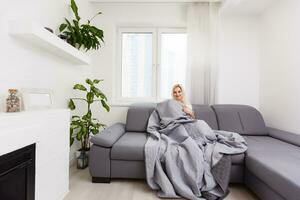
(276, 163)
(130, 147)
(242, 119)
(238, 159)
(286, 136)
(109, 136)
(137, 117)
(206, 113)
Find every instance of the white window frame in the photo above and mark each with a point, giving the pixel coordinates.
(118, 100)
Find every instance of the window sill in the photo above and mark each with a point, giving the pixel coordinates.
(129, 103)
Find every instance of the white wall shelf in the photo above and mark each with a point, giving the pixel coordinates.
(38, 35)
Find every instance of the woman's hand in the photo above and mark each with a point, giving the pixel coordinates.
(188, 112)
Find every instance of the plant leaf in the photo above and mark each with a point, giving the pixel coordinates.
(75, 117)
(71, 136)
(96, 81)
(71, 104)
(89, 114)
(71, 141)
(84, 131)
(69, 25)
(98, 93)
(88, 81)
(71, 33)
(104, 104)
(79, 133)
(79, 87)
(75, 123)
(95, 131)
(75, 9)
(62, 27)
(90, 97)
(102, 95)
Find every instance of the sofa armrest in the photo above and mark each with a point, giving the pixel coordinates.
(109, 135)
(292, 138)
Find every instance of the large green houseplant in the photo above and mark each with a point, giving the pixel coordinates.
(81, 35)
(82, 127)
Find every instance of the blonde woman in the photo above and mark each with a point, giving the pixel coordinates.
(178, 94)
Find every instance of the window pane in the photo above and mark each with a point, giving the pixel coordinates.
(136, 65)
(173, 62)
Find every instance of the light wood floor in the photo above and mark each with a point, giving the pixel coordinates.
(81, 188)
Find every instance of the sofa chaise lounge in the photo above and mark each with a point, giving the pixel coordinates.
(270, 167)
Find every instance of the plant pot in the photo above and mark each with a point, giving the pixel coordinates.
(81, 48)
(82, 158)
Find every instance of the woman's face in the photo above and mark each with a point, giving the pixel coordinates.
(177, 93)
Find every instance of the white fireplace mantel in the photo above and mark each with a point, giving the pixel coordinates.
(49, 129)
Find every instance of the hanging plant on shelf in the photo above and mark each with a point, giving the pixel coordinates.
(82, 127)
(81, 35)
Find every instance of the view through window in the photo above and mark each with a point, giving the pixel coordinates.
(151, 63)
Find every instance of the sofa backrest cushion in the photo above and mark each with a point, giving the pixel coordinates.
(137, 116)
(242, 119)
(206, 113)
(292, 138)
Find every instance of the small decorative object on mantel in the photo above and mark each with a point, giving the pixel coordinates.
(83, 126)
(81, 35)
(13, 101)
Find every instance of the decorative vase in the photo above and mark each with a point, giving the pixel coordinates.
(82, 159)
(13, 101)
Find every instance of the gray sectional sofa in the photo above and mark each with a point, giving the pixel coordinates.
(270, 167)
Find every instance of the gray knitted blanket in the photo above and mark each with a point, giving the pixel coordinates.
(185, 157)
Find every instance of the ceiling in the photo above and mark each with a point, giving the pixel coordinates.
(239, 7)
(245, 7)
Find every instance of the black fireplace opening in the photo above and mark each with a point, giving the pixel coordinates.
(17, 174)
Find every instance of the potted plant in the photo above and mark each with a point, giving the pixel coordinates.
(82, 127)
(81, 35)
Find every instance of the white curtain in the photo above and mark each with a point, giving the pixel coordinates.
(202, 29)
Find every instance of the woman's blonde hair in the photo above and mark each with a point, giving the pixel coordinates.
(182, 91)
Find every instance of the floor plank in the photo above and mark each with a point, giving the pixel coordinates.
(81, 188)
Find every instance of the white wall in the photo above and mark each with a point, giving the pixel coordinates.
(280, 71)
(239, 60)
